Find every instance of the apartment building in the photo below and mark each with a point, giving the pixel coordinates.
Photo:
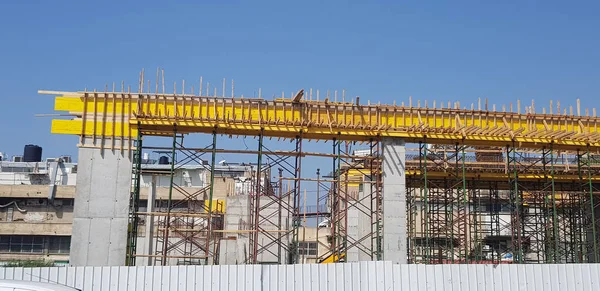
(37, 197)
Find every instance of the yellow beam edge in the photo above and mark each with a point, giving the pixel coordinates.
(411, 173)
(155, 127)
(217, 109)
(245, 118)
(500, 176)
(326, 133)
(75, 127)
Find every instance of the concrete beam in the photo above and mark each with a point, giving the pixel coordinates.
(394, 201)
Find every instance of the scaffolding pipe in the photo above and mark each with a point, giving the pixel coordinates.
(211, 193)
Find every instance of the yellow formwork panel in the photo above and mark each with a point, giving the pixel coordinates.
(333, 258)
(393, 117)
(76, 104)
(218, 205)
(502, 176)
(76, 127)
(327, 133)
(483, 176)
(320, 120)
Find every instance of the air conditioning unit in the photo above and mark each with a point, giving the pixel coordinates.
(66, 159)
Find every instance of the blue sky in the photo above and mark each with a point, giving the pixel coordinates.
(381, 51)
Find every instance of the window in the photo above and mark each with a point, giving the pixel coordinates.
(308, 248)
(59, 244)
(35, 244)
(21, 244)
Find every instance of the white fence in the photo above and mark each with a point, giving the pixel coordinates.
(343, 277)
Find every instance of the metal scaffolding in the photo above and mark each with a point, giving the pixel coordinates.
(483, 186)
(185, 227)
(274, 208)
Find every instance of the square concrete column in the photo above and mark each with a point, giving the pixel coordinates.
(101, 208)
(235, 247)
(394, 201)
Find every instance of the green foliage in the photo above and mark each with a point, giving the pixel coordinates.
(29, 263)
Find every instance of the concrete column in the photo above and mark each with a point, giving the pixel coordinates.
(150, 222)
(100, 213)
(235, 247)
(394, 201)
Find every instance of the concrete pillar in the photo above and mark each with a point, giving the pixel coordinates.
(100, 213)
(394, 201)
(150, 223)
(235, 247)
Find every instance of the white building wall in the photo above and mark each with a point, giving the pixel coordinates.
(35, 174)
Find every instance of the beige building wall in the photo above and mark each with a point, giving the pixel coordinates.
(314, 235)
(35, 191)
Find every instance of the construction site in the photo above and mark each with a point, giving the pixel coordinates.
(331, 178)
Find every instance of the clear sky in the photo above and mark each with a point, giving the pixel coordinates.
(382, 51)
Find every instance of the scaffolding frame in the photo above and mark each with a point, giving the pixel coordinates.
(267, 225)
(186, 230)
(589, 204)
(440, 199)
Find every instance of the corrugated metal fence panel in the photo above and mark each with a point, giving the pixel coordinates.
(330, 277)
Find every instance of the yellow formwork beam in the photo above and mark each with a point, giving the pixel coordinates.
(156, 114)
(76, 127)
(358, 174)
(502, 176)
